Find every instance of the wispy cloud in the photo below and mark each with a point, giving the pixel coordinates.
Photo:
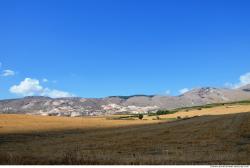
(45, 80)
(8, 72)
(184, 90)
(54, 81)
(32, 87)
(243, 80)
(167, 92)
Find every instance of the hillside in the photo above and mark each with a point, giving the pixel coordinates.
(120, 104)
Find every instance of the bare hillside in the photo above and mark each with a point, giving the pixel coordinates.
(75, 107)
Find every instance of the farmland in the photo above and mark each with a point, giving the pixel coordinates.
(217, 135)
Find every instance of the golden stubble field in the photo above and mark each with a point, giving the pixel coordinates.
(13, 123)
(219, 135)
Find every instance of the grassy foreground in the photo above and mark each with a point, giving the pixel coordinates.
(220, 138)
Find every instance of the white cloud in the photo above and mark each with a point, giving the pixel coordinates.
(8, 72)
(32, 87)
(167, 92)
(28, 87)
(56, 93)
(244, 80)
(229, 85)
(45, 80)
(184, 90)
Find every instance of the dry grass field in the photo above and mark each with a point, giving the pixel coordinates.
(219, 135)
(14, 123)
(220, 110)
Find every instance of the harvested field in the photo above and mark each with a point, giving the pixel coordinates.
(208, 139)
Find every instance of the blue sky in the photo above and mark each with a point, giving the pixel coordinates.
(97, 48)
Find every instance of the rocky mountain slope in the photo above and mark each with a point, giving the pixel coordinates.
(121, 104)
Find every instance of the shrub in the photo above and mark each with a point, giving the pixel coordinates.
(162, 112)
(140, 116)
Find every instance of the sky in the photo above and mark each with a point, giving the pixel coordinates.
(99, 48)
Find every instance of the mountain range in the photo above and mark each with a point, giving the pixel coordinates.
(135, 104)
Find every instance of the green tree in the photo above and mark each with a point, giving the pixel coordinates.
(140, 116)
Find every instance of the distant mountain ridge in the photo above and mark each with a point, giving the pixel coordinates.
(77, 106)
(246, 88)
(127, 97)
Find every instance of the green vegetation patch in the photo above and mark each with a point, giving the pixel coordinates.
(129, 117)
(162, 112)
(245, 102)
